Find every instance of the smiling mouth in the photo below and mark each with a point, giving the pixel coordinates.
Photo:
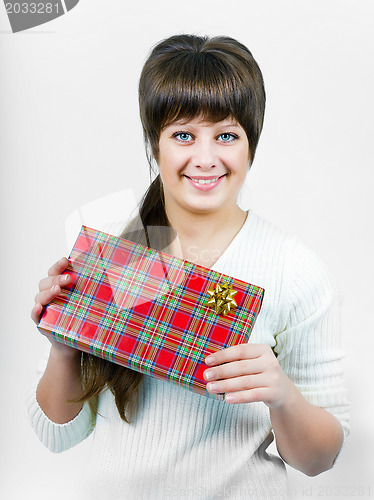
(204, 180)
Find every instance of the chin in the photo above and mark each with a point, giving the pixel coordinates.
(203, 208)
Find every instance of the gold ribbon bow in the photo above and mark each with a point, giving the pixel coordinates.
(222, 298)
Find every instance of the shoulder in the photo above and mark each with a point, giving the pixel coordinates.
(302, 269)
(264, 251)
(274, 244)
(293, 275)
(261, 235)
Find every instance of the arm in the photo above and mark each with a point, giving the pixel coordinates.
(60, 383)
(61, 380)
(310, 443)
(58, 423)
(302, 381)
(308, 438)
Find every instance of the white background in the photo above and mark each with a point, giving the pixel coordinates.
(70, 133)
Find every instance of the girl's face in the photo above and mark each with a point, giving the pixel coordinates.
(202, 164)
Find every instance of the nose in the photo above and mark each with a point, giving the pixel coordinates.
(204, 156)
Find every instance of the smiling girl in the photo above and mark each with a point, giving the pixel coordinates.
(202, 168)
(202, 104)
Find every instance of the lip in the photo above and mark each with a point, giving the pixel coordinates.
(205, 187)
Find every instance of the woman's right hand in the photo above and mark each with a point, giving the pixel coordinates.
(49, 288)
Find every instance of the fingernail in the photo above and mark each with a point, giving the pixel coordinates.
(209, 360)
(54, 289)
(212, 387)
(208, 375)
(66, 277)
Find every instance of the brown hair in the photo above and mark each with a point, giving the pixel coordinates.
(188, 76)
(185, 76)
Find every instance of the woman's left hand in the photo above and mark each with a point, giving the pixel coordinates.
(247, 373)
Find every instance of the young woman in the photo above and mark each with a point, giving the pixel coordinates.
(202, 103)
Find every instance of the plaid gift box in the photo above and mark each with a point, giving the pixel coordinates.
(149, 311)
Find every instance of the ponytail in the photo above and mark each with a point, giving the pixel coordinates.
(152, 207)
(150, 228)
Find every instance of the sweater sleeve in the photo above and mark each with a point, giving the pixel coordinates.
(58, 437)
(309, 348)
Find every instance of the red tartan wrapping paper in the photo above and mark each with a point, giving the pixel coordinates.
(146, 310)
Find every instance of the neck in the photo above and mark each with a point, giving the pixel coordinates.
(204, 227)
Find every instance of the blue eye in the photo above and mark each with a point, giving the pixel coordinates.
(228, 137)
(182, 136)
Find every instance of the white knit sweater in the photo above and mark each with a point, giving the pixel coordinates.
(183, 445)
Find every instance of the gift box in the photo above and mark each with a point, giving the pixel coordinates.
(149, 311)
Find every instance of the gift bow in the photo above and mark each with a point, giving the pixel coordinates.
(222, 298)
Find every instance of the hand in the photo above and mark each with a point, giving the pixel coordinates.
(49, 288)
(247, 373)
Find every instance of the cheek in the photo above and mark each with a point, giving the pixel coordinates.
(170, 162)
(239, 163)
(168, 170)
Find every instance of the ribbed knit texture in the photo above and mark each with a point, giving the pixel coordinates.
(183, 445)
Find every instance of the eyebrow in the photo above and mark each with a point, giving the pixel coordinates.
(180, 123)
(230, 124)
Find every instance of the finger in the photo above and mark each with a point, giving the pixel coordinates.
(236, 352)
(61, 280)
(235, 369)
(58, 267)
(250, 396)
(36, 313)
(244, 383)
(46, 296)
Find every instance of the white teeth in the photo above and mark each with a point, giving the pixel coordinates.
(205, 181)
